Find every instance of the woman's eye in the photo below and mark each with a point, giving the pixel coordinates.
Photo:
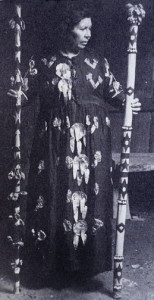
(85, 28)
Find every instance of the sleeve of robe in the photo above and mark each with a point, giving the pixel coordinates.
(113, 92)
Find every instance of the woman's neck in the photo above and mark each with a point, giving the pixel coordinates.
(69, 54)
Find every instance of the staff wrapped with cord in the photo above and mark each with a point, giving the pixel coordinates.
(135, 15)
(16, 174)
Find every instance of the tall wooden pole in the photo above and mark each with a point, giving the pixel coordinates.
(135, 15)
(16, 237)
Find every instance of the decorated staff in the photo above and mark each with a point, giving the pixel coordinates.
(17, 196)
(135, 15)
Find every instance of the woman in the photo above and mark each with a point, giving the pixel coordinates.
(70, 190)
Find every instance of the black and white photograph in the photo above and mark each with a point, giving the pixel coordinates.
(77, 149)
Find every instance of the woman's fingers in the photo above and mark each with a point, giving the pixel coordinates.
(136, 106)
(135, 100)
(135, 113)
(136, 110)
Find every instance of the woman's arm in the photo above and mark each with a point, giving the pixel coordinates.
(114, 93)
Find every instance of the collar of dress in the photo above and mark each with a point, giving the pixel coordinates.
(69, 55)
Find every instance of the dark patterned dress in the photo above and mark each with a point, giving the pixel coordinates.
(70, 189)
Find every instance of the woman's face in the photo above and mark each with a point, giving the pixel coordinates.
(82, 32)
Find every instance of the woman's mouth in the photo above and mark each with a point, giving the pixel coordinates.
(84, 43)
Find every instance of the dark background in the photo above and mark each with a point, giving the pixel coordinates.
(110, 36)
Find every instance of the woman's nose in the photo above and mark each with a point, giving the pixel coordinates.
(88, 33)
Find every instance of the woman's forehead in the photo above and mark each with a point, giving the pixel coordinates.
(86, 22)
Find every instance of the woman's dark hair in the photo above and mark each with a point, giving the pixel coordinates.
(66, 18)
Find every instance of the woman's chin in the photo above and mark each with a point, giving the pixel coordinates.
(82, 46)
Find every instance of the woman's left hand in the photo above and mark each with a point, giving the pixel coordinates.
(136, 106)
